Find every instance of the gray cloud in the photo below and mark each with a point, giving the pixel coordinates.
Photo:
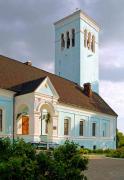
(27, 31)
(112, 74)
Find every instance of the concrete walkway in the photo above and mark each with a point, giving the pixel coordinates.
(95, 156)
(105, 169)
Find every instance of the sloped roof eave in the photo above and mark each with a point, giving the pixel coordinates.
(22, 78)
(86, 109)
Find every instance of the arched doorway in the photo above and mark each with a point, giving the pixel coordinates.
(22, 119)
(47, 112)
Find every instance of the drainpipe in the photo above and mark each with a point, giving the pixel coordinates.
(116, 134)
(13, 136)
(41, 126)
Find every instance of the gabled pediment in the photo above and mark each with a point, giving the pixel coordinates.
(47, 88)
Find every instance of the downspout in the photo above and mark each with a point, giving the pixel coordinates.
(116, 133)
(13, 137)
(41, 125)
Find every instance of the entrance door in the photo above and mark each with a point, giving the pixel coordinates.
(25, 125)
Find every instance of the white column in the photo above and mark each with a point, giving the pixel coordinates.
(37, 124)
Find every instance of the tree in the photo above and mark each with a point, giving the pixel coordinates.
(120, 139)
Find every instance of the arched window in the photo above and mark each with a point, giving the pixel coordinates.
(85, 38)
(68, 40)
(73, 37)
(93, 44)
(89, 40)
(81, 130)
(66, 126)
(1, 120)
(62, 41)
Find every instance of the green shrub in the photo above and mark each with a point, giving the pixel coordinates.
(72, 163)
(95, 151)
(83, 151)
(118, 153)
(19, 160)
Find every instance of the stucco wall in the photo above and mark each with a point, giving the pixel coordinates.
(6, 103)
(67, 61)
(36, 102)
(26, 100)
(88, 141)
(89, 67)
(77, 63)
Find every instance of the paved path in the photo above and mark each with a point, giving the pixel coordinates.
(105, 169)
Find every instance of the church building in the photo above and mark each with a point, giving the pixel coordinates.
(40, 106)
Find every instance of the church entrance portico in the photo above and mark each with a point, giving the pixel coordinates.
(45, 122)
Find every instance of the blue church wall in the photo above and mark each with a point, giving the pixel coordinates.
(67, 60)
(100, 140)
(77, 63)
(88, 59)
(6, 104)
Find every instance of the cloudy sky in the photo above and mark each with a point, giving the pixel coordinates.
(27, 33)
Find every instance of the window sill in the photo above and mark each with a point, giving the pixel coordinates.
(68, 136)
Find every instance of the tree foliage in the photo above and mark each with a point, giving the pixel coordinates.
(19, 160)
(119, 139)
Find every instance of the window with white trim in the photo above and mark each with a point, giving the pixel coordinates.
(104, 130)
(93, 44)
(68, 40)
(1, 120)
(81, 130)
(62, 41)
(66, 126)
(73, 37)
(93, 129)
(89, 40)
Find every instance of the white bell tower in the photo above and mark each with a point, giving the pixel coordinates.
(76, 49)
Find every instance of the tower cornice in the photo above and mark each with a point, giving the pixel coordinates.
(83, 16)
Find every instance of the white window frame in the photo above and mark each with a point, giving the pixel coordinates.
(83, 127)
(95, 129)
(3, 120)
(69, 126)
